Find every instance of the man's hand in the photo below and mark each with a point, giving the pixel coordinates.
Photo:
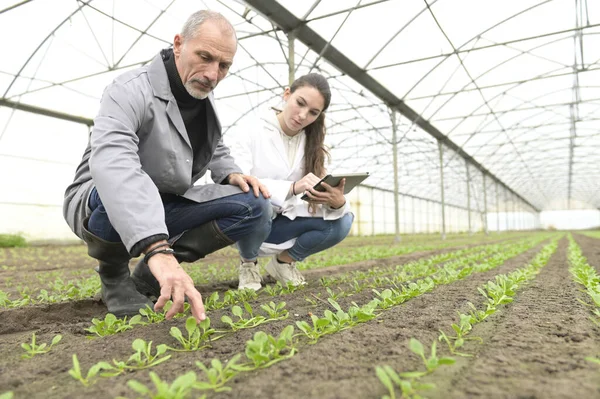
(175, 284)
(332, 196)
(244, 181)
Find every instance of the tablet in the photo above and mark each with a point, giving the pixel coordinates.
(352, 180)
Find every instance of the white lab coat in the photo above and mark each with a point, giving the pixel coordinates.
(260, 151)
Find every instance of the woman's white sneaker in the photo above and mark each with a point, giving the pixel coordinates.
(284, 272)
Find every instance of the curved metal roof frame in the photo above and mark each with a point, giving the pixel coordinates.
(536, 143)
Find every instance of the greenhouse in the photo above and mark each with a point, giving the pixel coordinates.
(464, 265)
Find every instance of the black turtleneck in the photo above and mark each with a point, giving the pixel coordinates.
(193, 111)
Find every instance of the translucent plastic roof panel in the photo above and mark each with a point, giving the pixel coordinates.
(513, 87)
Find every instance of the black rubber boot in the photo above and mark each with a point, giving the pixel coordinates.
(118, 290)
(189, 246)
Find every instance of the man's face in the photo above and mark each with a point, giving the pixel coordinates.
(204, 59)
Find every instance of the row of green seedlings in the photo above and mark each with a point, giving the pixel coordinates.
(340, 256)
(403, 273)
(496, 293)
(196, 339)
(263, 350)
(330, 323)
(449, 272)
(394, 270)
(111, 325)
(58, 291)
(394, 296)
(587, 276)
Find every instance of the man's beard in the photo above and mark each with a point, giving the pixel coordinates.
(196, 93)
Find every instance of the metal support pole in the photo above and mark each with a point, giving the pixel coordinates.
(514, 212)
(497, 209)
(291, 59)
(441, 151)
(485, 224)
(373, 212)
(468, 196)
(396, 189)
(506, 206)
(414, 216)
(427, 217)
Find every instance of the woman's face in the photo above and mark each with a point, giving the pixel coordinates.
(302, 108)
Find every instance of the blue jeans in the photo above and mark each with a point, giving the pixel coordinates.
(312, 234)
(243, 218)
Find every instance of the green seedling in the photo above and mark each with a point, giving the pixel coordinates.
(179, 389)
(390, 379)
(154, 317)
(33, 349)
(273, 290)
(431, 363)
(218, 375)
(6, 395)
(593, 359)
(320, 327)
(199, 334)
(265, 350)
(89, 379)
(143, 357)
(112, 325)
(275, 312)
(212, 303)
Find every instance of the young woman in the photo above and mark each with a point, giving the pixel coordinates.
(288, 155)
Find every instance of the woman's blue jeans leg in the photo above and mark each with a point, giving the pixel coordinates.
(312, 234)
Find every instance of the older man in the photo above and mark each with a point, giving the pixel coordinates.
(157, 132)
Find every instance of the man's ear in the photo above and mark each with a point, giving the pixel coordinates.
(177, 44)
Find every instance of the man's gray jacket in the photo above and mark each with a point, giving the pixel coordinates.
(139, 147)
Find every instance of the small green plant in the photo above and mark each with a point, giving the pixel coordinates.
(275, 312)
(143, 357)
(431, 363)
(593, 359)
(33, 349)
(179, 389)
(112, 325)
(391, 380)
(89, 379)
(6, 395)
(199, 334)
(218, 375)
(265, 350)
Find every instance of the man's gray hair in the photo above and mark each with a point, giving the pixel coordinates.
(190, 28)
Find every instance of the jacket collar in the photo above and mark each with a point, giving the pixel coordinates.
(157, 75)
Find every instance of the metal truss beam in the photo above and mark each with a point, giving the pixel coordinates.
(288, 22)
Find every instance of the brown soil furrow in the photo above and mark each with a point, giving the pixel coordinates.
(343, 365)
(534, 348)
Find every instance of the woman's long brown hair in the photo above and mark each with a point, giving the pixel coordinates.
(314, 149)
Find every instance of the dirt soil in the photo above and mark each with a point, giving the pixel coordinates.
(532, 348)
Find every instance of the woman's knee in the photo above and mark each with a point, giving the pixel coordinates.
(342, 226)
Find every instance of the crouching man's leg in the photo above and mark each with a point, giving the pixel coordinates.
(198, 229)
(104, 244)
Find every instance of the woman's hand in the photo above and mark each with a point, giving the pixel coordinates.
(304, 184)
(332, 196)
